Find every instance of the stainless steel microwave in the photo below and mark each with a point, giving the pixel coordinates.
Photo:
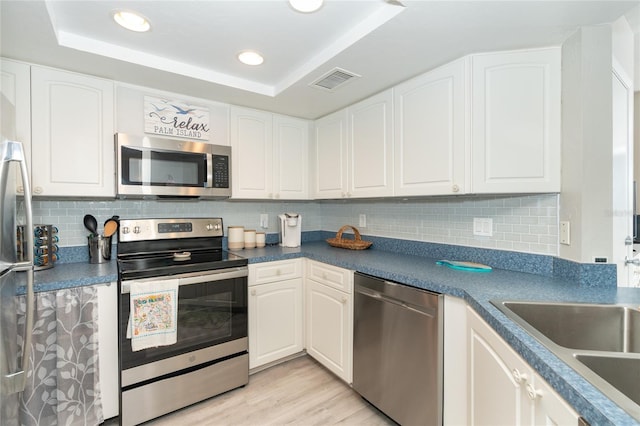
(151, 167)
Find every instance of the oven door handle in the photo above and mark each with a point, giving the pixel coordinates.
(194, 278)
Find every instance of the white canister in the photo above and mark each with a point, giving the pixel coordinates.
(235, 236)
(249, 238)
(260, 239)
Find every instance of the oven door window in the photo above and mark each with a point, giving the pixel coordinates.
(209, 313)
(163, 168)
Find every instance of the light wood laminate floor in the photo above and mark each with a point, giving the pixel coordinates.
(297, 392)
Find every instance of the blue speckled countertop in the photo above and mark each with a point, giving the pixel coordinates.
(477, 289)
(69, 275)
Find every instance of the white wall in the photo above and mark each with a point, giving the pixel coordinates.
(636, 143)
(586, 193)
(130, 111)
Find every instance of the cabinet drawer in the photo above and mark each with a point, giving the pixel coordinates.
(333, 276)
(260, 273)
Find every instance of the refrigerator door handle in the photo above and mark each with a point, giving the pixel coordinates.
(16, 382)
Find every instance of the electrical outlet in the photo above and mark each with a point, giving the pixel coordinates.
(363, 221)
(264, 221)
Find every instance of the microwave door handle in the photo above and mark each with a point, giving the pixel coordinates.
(209, 183)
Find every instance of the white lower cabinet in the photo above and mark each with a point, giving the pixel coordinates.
(329, 317)
(503, 388)
(275, 311)
(108, 348)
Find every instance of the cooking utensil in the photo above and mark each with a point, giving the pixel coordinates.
(91, 223)
(110, 228)
(114, 217)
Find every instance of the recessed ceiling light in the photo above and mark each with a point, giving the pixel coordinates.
(250, 57)
(306, 6)
(131, 20)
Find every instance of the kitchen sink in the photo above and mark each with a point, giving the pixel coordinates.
(611, 328)
(622, 373)
(600, 342)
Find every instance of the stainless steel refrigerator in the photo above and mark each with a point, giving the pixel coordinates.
(14, 272)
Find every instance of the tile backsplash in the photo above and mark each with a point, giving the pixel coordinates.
(526, 223)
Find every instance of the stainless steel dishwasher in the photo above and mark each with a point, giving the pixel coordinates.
(398, 350)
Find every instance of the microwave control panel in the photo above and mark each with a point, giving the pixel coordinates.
(220, 171)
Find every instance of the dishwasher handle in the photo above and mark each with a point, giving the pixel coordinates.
(422, 310)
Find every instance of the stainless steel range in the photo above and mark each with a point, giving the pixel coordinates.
(209, 355)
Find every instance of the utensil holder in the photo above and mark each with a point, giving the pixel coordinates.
(99, 249)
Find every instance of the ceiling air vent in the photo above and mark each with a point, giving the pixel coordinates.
(333, 79)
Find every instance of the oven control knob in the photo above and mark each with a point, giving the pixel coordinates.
(136, 229)
(213, 227)
(125, 230)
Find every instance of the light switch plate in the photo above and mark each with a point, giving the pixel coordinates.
(264, 221)
(483, 226)
(363, 221)
(565, 232)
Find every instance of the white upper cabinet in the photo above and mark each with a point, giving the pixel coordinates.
(251, 135)
(72, 134)
(15, 103)
(370, 144)
(290, 158)
(330, 156)
(15, 107)
(354, 150)
(430, 132)
(270, 155)
(486, 123)
(515, 121)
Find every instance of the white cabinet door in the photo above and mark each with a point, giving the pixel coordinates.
(495, 395)
(107, 349)
(329, 324)
(430, 132)
(551, 408)
(15, 107)
(275, 321)
(290, 158)
(72, 134)
(515, 129)
(251, 135)
(370, 144)
(330, 156)
(503, 388)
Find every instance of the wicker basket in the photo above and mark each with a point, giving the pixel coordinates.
(355, 244)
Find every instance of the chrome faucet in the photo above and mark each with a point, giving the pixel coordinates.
(635, 261)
